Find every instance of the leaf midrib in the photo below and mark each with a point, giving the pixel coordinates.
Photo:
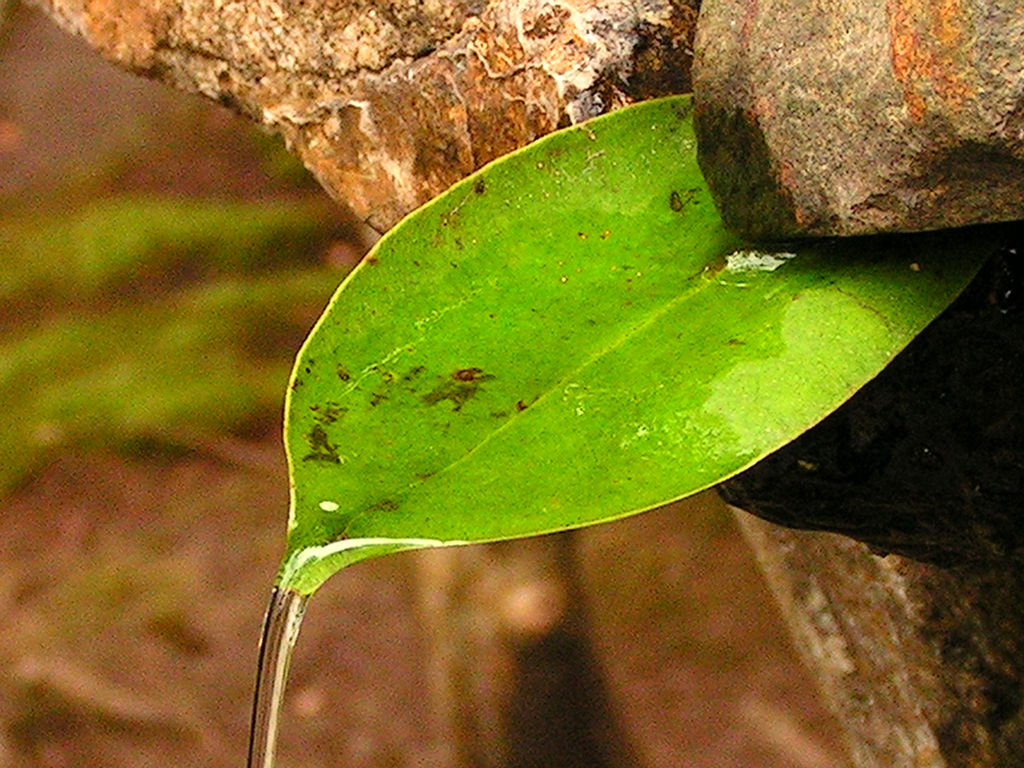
(703, 284)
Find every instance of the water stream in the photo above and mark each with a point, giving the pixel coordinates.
(280, 630)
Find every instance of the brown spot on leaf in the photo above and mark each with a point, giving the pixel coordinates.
(413, 372)
(679, 200)
(470, 374)
(462, 387)
(321, 448)
(327, 414)
(384, 505)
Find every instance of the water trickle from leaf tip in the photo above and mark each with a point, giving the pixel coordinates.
(280, 630)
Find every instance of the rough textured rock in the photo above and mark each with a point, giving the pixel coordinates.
(920, 653)
(859, 116)
(390, 101)
(921, 664)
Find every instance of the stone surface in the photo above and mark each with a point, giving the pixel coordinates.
(921, 664)
(843, 117)
(389, 102)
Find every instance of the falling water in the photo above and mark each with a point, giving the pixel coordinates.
(280, 629)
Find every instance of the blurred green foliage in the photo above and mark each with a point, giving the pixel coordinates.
(140, 321)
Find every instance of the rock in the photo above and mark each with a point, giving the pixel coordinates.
(861, 116)
(389, 102)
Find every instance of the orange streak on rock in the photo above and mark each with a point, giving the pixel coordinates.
(927, 42)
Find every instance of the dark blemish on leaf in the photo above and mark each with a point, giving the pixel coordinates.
(424, 475)
(471, 374)
(296, 384)
(581, 235)
(388, 377)
(453, 265)
(736, 343)
(679, 200)
(715, 266)
(462, 387)
(308, 369)
(414, 372)
(371, 260)
(377, 398)
(521, 406)
(384, 505)
(480, 187)
(321, 448)
(499, 415)
(606, 234)
(343, 374)
(327, 414)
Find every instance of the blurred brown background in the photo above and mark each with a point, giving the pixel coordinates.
(144, 489)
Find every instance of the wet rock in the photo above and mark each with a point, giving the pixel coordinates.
(861, 116)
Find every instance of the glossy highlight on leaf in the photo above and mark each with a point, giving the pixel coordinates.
(570, 336)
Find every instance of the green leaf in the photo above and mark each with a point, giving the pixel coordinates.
(570, 336)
